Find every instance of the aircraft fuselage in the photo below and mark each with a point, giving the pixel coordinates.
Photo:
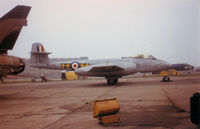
(130, 65)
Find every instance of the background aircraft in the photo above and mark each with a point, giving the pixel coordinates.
(111, 69)
(10, 27)
(180, 67)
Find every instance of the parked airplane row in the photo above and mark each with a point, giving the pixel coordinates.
(112, 69)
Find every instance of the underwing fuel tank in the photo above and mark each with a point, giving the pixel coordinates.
(11, 64)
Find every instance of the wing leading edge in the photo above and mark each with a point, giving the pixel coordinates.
(108, 68)
(100, 70)
(114, 69)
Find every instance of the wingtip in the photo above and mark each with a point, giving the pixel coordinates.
(23, 7)
(19, 11)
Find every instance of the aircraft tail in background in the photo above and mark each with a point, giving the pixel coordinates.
(38, 54)
(11, 25)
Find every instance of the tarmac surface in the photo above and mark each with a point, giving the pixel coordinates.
(145, 103)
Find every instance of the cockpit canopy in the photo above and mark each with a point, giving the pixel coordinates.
(145, 56)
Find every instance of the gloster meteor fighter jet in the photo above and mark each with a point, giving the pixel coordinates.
(111, 69)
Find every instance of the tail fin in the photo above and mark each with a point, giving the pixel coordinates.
(11, 25)
(38, 54)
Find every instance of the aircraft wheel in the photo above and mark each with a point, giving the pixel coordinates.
(116, 81)
(166, 79)
(63, 76)
(112, 81)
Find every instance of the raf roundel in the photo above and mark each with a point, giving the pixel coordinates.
(75, 65)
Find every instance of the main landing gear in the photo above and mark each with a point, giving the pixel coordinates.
(112, 81)
(166, 79)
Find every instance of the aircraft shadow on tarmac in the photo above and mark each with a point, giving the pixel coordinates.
(125, 83)
(104, 84)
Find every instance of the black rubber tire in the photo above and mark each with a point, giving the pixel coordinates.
(116, 81)
(166, 79)
(63, 76)
(112, 81)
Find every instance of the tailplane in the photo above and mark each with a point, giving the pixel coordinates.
(38, 54)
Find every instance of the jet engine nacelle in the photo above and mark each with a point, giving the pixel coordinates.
(11, 65)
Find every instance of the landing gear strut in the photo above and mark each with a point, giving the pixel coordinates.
(112, 81)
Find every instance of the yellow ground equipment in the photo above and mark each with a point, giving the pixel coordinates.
(166, 75)
(171, 72)
(107, 110)
(70, 75)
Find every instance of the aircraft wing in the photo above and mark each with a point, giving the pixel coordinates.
(11, 25)
(104, 70)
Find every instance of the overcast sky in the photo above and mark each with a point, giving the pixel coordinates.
(167, 29)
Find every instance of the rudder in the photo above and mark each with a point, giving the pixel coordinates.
(38, 54)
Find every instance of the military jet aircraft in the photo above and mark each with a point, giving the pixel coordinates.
(178, 67)
(10, 27)
(182, 67)
(111, 69)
